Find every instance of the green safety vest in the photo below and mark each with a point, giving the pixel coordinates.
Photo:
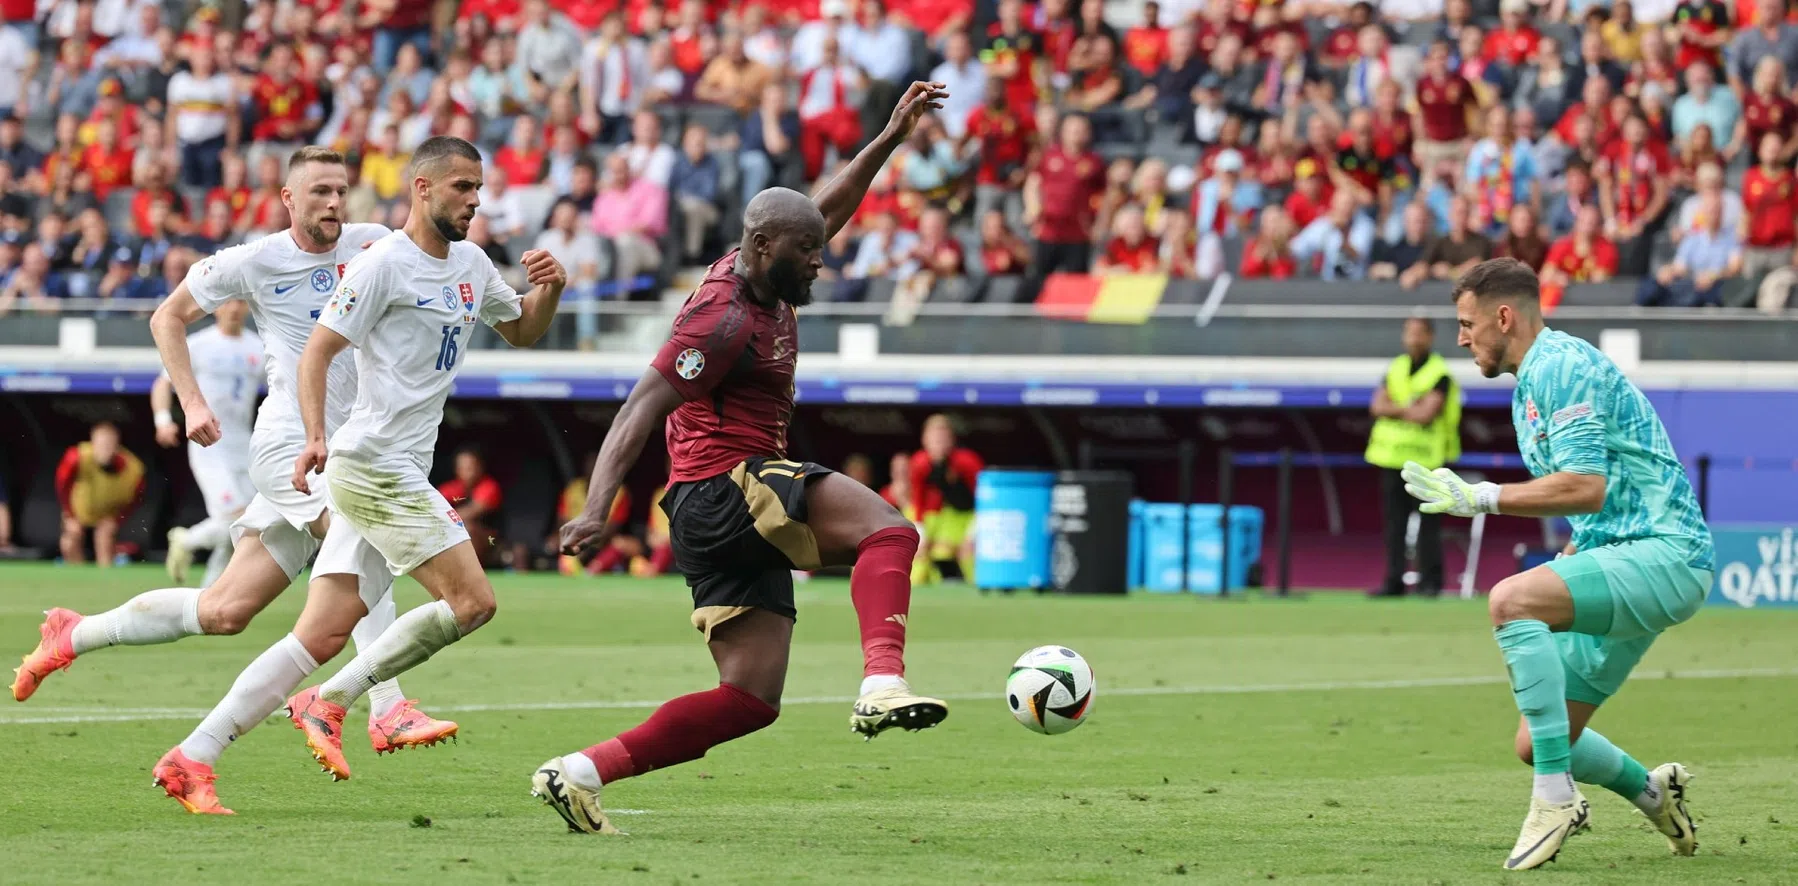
(1395, 441)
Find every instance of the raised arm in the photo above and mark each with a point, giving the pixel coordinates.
(547, 278)
(648, 405)
(839, 199)
(168, 326)
(315, 364)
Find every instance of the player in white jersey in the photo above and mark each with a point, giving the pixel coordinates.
(228, 365)
(408, 307)
(286, 279)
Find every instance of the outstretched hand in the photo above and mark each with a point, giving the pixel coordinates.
(921, 96)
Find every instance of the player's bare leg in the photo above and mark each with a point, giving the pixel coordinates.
(1660, 794)
(855, 527)
(751, 651)
(463, 601)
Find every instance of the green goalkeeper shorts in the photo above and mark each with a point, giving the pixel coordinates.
(1624, 596)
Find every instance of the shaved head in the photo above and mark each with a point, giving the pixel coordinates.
(779, 211)
(783, 244)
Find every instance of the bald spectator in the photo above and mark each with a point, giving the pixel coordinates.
(1707, 258)
(98, 483)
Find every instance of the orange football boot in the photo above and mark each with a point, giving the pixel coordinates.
(322, 722)
(190, 783)
(406, 727)
(54, 652)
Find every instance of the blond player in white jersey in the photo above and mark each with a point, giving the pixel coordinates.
(286, 279)
(228, 366)
(409, 308)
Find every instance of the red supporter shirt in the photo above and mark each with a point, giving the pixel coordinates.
(1366, 169)
(278, 103)
(108, 170)
(962, 466)
(1340, 46)
(140, 209)
(1069, 188)
(1020, 88)
(1392, 136)
(238, 200)
(731, 359)
(498, 11)
(1303, 209)
(1764, 114)
(930, 15)
(1581, 265)
(1704, 17)
(1771, 202)
(999, 260)
(1633, 174)
(1004, 138)
(1512, 48)
(585, 14)
(1254, 266)
(1058, 43)
(486, 493)
(1444, 104)
(1146, 49)
(522, 167)
(1143, 258)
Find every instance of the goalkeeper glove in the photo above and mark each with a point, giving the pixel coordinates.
(1442, 491)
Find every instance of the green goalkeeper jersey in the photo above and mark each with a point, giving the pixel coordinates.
(1576, 413)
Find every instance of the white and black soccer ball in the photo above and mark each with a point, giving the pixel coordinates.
(1050, 690)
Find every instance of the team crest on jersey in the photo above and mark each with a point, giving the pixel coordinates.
(455, 517)
(449, 298)
(689, 364)
(1533, 417)
(322, 281)
(467, 292)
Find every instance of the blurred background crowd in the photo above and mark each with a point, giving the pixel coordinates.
(1398, 140)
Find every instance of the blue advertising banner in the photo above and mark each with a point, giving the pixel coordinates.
(1757, 566)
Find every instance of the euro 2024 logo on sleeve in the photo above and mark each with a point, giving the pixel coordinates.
(1758, 567)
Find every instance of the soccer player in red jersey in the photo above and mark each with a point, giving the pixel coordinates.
(741, 517)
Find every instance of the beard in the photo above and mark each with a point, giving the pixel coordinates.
(446, 227)
(790, 284)
(316, 232)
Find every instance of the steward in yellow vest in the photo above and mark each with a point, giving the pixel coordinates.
(1417, 417)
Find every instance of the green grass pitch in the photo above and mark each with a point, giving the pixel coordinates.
(1322, 740)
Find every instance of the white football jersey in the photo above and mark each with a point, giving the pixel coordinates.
(229, 371)
(286, 289)
(410, 316)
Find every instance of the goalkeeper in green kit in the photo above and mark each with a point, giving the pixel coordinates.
(1640, 561)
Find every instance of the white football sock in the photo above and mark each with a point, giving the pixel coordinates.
(210, 533)
(580, 771)
(152, 617)
(215, 565)
(881, 681)
(259, 690)
(1555, 787)
(386, 695)
(415, 637)
(1649, 801)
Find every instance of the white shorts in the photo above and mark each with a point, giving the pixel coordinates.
(224, 477)
(386, 509)
(271, 472)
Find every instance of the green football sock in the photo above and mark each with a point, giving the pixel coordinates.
(1540, 686)
(1597, 761)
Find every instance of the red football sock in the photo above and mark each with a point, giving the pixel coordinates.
(680, 730)
(880, 587)
(608, 561)
(662, 559)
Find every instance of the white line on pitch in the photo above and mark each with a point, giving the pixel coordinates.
(137, 715)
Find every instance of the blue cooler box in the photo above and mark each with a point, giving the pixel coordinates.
(1135, 552)
(1163, 547)
(1011, 529)
(1205, 546)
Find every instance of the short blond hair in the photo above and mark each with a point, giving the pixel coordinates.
(312, 154)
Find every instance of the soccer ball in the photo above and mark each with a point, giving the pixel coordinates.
(1050, 690)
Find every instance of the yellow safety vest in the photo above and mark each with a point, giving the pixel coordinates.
(1395, 441)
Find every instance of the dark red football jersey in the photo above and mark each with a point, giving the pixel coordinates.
(732, 360)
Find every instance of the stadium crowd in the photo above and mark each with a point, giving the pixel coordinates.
(1401, 140)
